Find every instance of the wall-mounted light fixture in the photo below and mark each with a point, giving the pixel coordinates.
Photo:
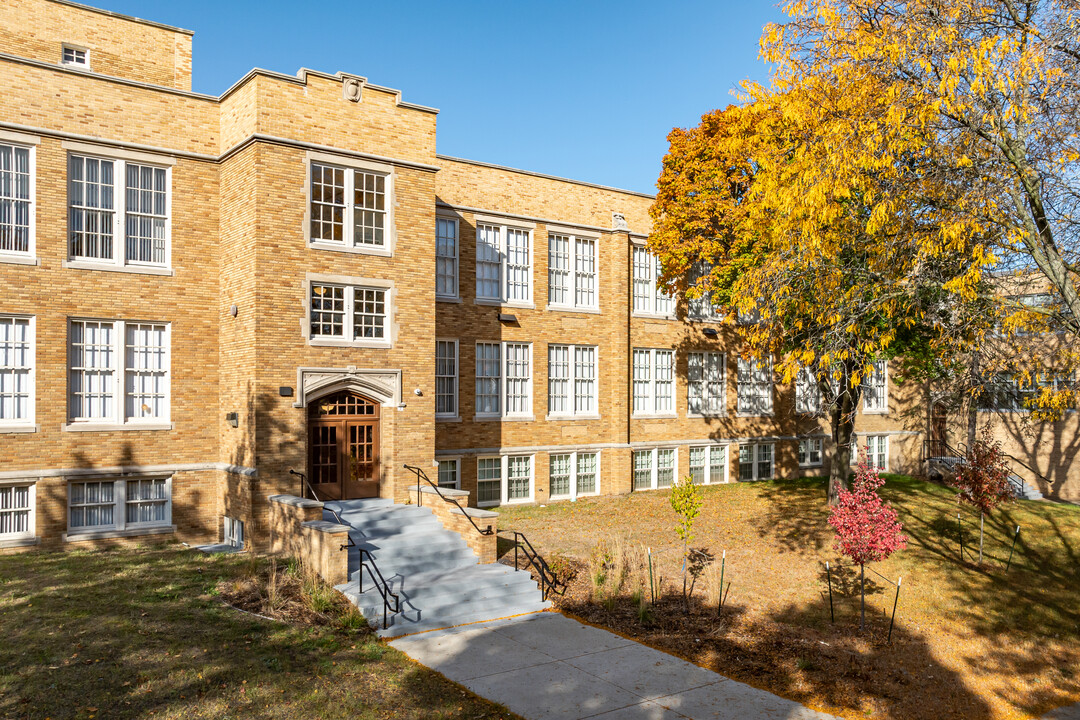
(233, 419)
(233, 310)
(710, 332)
(418, 391)
(507, 318)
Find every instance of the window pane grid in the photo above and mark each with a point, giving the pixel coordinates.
(807, 392)
(488, 480)
(15, 510)
(559, 475)
(15, 200)
(488, 262)
(586, 473)
(642, 381)
(518, 478)
(15, 369)
(146, 214)
(705, 383)
(93, 370)
(518, 268)
(327, 203)
(584, 380)
(717, 463)
(643, 469)
(665, 467)
(558, 378)
(448, 474)
(91, 207)
(446, 257)
(665, 381)
(585, 273)
(91, 504)
(517, 378)
(147, 501)
(487, 378)
(558, 269)
(369, 313)
(369, 211)
(697, 464)
(754, 386)
(446, 377)
(327, 311)
(874, 388)
(146, 365)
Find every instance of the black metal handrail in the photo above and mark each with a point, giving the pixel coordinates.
(549, 581)
(384, 589)
(960, 455)
(420, 498)
(304, 483)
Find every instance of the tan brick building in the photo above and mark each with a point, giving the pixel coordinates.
(200, 294)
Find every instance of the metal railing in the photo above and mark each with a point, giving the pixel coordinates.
(376, 578)
(305, 484)
(549, 581)
(958, 456)
(420, 474)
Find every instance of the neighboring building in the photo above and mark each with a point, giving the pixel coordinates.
(199, 294)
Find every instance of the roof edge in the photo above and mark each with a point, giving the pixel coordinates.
(583, 183)
(132, 18)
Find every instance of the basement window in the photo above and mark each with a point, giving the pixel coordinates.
(79, 57)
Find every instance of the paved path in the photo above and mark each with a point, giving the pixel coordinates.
(546, 665)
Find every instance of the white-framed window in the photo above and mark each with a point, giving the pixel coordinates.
(807, 392)
(756, 462)
(504, 480)
(446, 258)
(503, 263)
(107, 196)
(349, 314)
(702, 307)
(572, 475)
(503, 379)
(654, 381)
(810, 452)
(119, 372)
(654, 468)
(876, 389)
(446, 378)
(708, 464)
(350, 207)
(450, 473)
(1006, 392)
(16, 371)
(17, 511)
(76, 56)
(755, 386)
(17, 194)
(572, 380)
(876, 450)
(117, 505)
(706, 388)
(233, 532)
(572, 271)
(649, 299)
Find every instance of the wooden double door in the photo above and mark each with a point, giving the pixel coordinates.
(343, 447)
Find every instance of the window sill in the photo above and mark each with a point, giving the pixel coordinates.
(572, 309)
(753, 415)
(448, 299)
(560, 418)
(113, 427)
(111, 267)
(654, 416)
(810, 467)
(328, 342)
(876, 412)
(448, 418)
(19, 542)
(106, 534)
(711, 321)
(706, 416)
(19, 260)
(504, 304)
(361, 250)
(503, 418)
(652, 316)
(12, 429)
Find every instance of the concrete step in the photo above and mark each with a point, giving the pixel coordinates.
(444, 588)
(408, 568)
(400, 626)
(434, 538)
(389, 526)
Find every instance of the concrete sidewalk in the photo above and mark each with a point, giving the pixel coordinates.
(546, 665)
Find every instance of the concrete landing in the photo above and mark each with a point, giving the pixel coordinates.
(546, 665)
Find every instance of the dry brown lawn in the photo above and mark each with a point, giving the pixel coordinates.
(969, 641)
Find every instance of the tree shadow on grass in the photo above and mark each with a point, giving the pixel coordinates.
(796, 514)
(131, 633)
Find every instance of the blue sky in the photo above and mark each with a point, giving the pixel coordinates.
(585, 90)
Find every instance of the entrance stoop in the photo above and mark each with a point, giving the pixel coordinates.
(437, 577)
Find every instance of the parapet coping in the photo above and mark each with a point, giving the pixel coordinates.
(545, 176)
(295, 501)
(475, 513)
(132, 18)
(448, 492)
(325, 526)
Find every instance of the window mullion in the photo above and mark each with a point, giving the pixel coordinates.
(120, 210)
(573, 476)
(350, 316)
(348, 231)
(504, 473)
(120, 499)
(120, 372)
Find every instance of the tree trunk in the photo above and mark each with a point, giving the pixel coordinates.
(862, 593)
(842, 421)
(975, 380)
(686, 599)
(981, 518)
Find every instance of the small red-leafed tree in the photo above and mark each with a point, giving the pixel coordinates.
(983, 479)
(867, 529)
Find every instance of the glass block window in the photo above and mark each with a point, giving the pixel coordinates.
(488, 481)
(147, 502)
(446, 378)
(705, 384)
(16, 511)
(559, 475)
(349, 313)
(503, 263)
(446, 257)
(349, 207)
(16, 199)
(648, 297)
(654, 381)
(755, 388)
(876, 389)
(810, 452)
(103, 192)
(16, 370)
(448, 474)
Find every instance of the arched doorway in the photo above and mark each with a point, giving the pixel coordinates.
(343, 446)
